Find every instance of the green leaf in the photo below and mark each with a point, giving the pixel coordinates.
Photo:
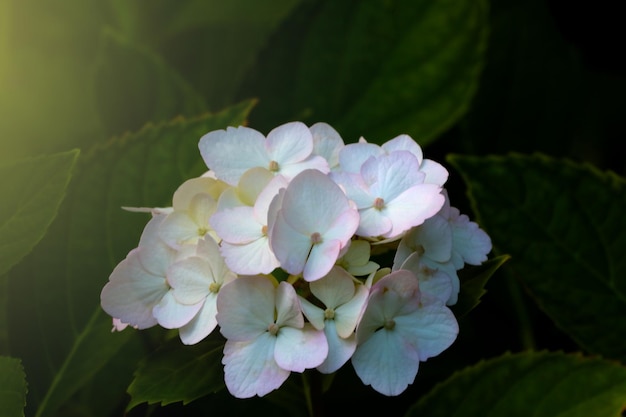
(67, 271)
(134, 85)
(32, 190)
(12, 387)
(562, 223)
(375, 68)
(530, 384)
(176, 372)
(473, 280)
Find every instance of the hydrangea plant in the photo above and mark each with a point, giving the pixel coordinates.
(273, 245)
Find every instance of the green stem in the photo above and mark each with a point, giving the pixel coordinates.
(312, 387)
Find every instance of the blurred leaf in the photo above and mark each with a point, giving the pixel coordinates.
(32, 190)
(219, 40)
(176, 372)
(538, 384)
(46, 62)
(473, 281)
(375, 68)
(13, 387)
(67, 271)
(563, 225)
(134, 85)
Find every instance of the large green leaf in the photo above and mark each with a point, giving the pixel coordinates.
(375, 68)
(473, 280)
(530, 384)
(134, 85)
(12, 387)
(57, 325)
(32, 190)
(176, 372)
(562, 223)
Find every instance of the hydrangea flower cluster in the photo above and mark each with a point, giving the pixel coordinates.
(273, 246)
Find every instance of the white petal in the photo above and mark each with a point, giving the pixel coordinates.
(435, 172)
(386, 362)
(373, 223)
(289, 143)
(354, 155)
(250, 368)
(237, 225)
(290, 247)
(432, 328)
(313, 313)
(413, 207)
(171, 314)
(326, 143)
(334, 289)
(250, 259)
(202, 324)
(245, 308)
(321, 259)
(190, 279)
(471, 242)
(340, 349)
(231, 152)
(404, 143)
(288, 311)
(179, 229)
(132, 292)
(300, 349)
(347, 316)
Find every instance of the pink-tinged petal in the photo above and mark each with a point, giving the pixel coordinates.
(250, 368)
(231, 152)
(237, 225)
(449, 269)
(312, 202)
(208, 249)
(266, 196)
(326, 143)
(155, 255)
(202, 324)
(190, 279)
(300, 349)
(132, 292)
(340, 349)
(314, 162)
(171, 314)
(290, 247)
(343, 227)
(404, 143)
(387, 362)
(289, 143)
(390, 175)
(250, 259)
(288, 311)
(432, 328)
(435, 172)
(321, 259)
(354, 155)
(245, 307)
(347, 315)
(313, 313)
(374, 223)
(355, 188)
(413, 207)
(334, 289)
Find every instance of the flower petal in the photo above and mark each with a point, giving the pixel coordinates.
(245, 307)
(231, 152)
(202, 324)
(300, 349)
(386, 362)
(340, 349)
(171, 314)
(250, 368)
